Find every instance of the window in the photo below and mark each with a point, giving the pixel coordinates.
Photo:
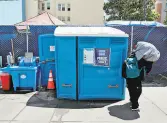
(43, 6)
(68, 19)
(63, 7)
(48, 6)
(59, 17)
(59, 7)
(68, 7)
(63, 18)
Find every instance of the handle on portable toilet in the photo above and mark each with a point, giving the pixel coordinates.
(48, 60)
(111, 86)
(67, 85)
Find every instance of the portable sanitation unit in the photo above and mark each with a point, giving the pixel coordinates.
(89, 63)
(47, 56)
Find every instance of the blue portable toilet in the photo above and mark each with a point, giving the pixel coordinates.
(89, 63)
(46, 44)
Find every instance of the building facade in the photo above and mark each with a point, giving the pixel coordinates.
(31, 8)
(161, 8)
(75, 11)
(12, 11)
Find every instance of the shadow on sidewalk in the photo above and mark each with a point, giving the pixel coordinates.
(48, 100)
(123, 112)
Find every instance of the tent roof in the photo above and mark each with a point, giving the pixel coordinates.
(42, 19)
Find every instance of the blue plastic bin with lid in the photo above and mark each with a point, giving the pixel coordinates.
(46, 44)
(24, 77)
(89, 63)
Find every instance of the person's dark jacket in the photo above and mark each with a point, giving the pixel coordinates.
(141, 63)
(148, 66)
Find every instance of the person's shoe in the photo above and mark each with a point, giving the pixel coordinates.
(135, 108)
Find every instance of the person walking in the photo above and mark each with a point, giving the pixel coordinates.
(134, 72)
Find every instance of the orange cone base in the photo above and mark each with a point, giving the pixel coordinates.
(51, 86)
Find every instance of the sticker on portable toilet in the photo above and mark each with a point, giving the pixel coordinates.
(88, 55)
(52, 48)
(102, 57)
(23, 76)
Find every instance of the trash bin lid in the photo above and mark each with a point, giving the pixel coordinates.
(18, 68)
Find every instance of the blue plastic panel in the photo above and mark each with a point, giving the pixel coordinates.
(66, 67)
(47, 54)
(102, 82)
(46, 47)
(45, 68)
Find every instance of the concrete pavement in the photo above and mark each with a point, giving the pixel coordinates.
(153, 102)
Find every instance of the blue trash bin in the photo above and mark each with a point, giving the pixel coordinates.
(89, 63)
(24, 77)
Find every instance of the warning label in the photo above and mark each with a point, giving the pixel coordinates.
(52, 48)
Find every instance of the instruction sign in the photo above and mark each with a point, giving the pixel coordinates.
(102, 57)
(88, 56)
(52, 48)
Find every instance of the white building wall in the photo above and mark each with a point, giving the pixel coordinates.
(82, 11)
(31, 8)
(11, 12)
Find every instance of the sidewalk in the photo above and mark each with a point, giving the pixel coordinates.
(153, 102)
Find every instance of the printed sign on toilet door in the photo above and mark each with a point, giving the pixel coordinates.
(102, 57)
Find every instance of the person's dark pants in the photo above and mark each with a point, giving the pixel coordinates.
(135, 90)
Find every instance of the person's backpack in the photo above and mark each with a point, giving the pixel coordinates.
(132, 69)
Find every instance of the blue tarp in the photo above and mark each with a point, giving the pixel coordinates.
(134, 23)
(4, 37)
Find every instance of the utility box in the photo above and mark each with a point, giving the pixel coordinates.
(47, 56)
(24, 77)
(89, 63)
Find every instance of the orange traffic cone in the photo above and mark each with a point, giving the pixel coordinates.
(51, 84)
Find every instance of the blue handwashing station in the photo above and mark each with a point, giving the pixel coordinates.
(25, 75)
(31, 72)
(89, 63)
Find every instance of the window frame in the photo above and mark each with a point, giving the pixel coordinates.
(63, 8)
(59, 7)
(69, 7)
(63, 19)
(43, 6)
(48, 5)
(59, 17)
(68, 18)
